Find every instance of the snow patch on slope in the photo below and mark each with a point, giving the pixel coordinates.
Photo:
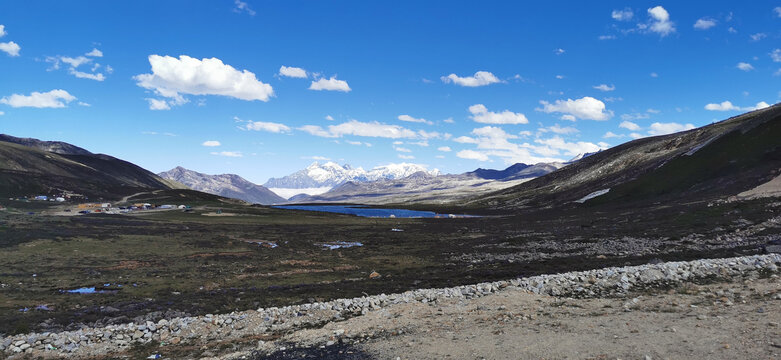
(593, 195)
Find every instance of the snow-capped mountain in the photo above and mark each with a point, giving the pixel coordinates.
(423, 186)
(581, 156)
(319, 178)
(227, 185)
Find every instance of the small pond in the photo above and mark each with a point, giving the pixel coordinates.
(370, 212)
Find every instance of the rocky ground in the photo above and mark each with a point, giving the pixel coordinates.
(654, 310)
(737, 320)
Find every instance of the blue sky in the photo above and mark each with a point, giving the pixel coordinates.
(451, 85)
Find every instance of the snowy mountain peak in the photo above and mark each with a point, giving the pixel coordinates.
(321, 177)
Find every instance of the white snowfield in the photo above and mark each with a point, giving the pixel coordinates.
(287, 193)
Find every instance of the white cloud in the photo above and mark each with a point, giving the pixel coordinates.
(236, 154)
(52, 99)
(465, 140)
(445, 149)
(211, 143)
(449, 120)
(242, 6)
(584, 108)
(472, 155)
(607, 37)
(776, 55)
(777, 10)
(562, 130)
(2, 30)
(744, 66)
(610, 134)
(315, 130)
(629, 126)
(704, 24)
(81, 103)
(11, 48)
(172, 77)
(372, 129)
(653, 111)
(723, 106)
(728, 106)
(85, 75)
(405, 157)
(660, 21)
(493, 141)
(331, 84)
(636, 135)
(481, 114)
(358, 143)
(622, 15)
(95, 53)
(402, 149)
(157, 133)
(559, 51)
(635, 116)
(266, 126)
(758, 106)
(480, 78)
(557, 143)
(157, 104)
(654, 75)
(294, 72)
(731, 30)
(604, 87)
(329, 118)
(75, 62)
(668, 128)
(757, 36)
(559, 77)
(408, 118)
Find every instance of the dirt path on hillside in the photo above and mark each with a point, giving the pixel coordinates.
(717, 321)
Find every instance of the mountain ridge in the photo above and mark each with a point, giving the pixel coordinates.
(330, 174)
(27, 167)
(226, 185)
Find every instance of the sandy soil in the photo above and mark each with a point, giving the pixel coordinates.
(718, 321)
(769, 189)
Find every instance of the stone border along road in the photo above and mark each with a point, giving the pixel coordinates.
(614, 281)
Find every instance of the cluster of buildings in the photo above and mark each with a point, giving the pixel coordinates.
(87, 208)
(58, 197)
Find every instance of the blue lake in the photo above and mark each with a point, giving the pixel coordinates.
(369, 212)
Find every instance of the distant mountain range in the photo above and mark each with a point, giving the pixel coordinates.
(31, 166)
(319, 178)
(425, 187)
(227, 185)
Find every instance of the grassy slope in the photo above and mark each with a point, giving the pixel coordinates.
(657, 164)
